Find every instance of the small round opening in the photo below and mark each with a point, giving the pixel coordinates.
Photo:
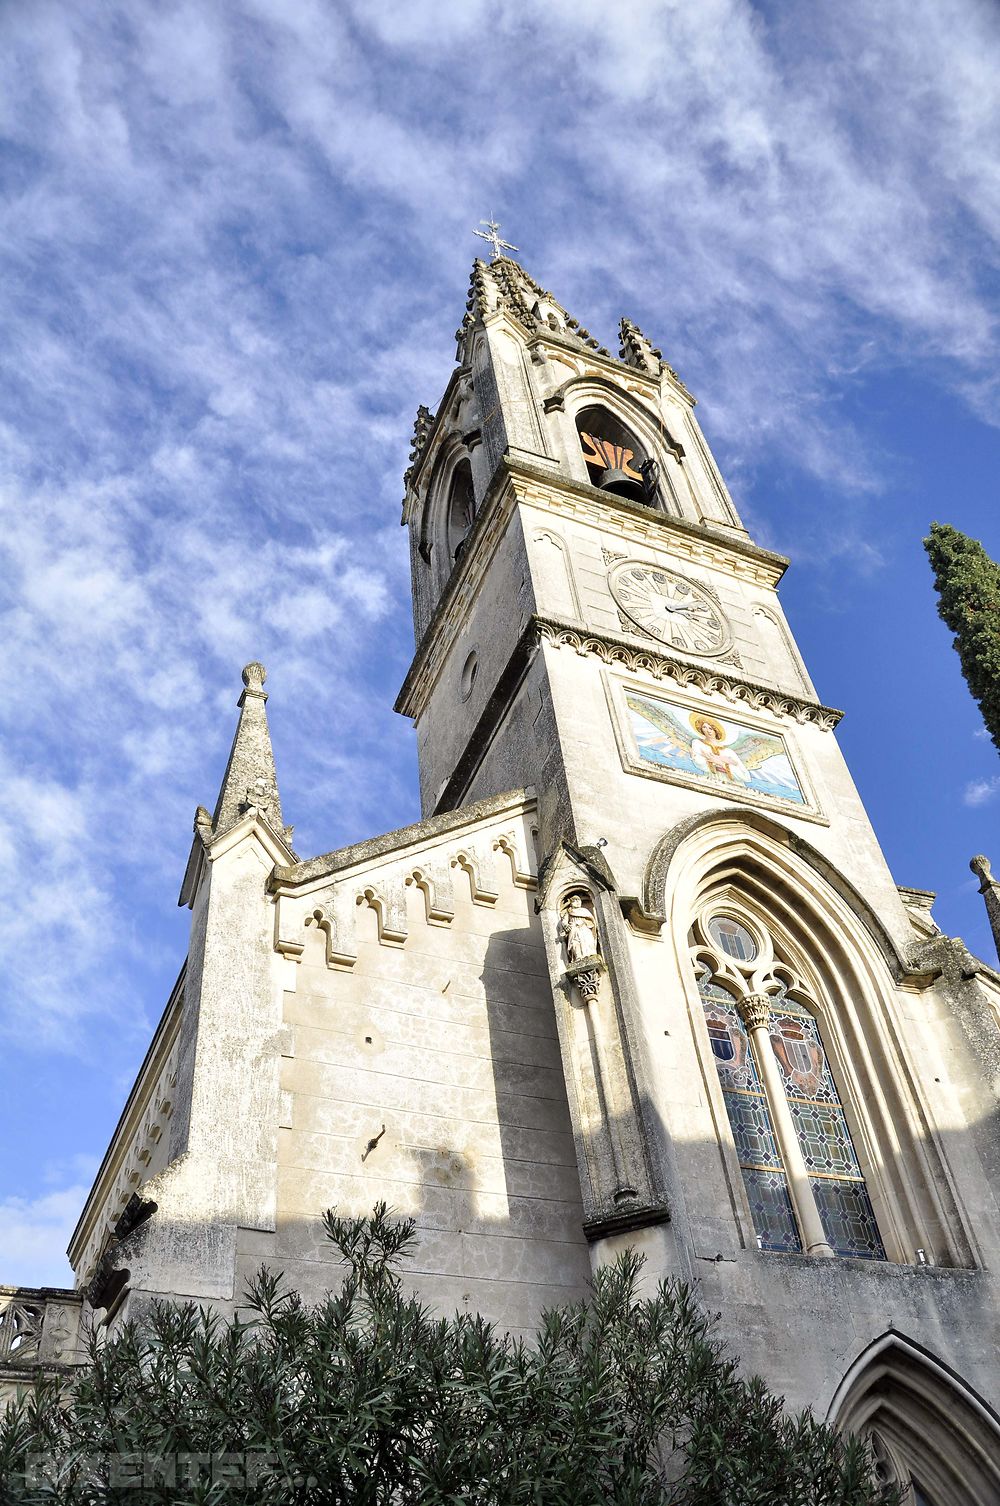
(732, 938)
(469, 671)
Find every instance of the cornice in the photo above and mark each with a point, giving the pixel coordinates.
(625, 653)
(650, 521)
(704, 542)
(300, 876)
(518, 482)
(131, 1117)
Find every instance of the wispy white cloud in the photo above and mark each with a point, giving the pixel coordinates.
(34, 1232)
(233, 250)
(981, 791)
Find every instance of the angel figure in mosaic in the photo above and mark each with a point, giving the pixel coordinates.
(730, 756)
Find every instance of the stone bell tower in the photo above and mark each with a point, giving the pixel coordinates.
(560, 491)
(756, 1023)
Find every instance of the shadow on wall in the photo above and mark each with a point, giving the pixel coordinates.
(478, 1146)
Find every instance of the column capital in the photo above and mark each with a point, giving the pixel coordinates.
(754, 1010)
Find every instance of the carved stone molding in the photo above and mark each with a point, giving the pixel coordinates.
(20, 1329)
(585, 976)
(708, 679)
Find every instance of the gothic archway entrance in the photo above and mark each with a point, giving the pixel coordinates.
(930, 1432)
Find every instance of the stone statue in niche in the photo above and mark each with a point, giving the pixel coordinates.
(578, 928)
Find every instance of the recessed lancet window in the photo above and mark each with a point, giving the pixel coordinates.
(803, 1180)
(756, 1144)
(461, 508)
(616, 461)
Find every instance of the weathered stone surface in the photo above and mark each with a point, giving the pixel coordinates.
(406, 1019)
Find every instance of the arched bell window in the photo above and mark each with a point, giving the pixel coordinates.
(461, 510)
(804, 1183)
(616, 461)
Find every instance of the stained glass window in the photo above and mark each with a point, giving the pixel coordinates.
(750, 1119)
(734, 939)
(837, 1182)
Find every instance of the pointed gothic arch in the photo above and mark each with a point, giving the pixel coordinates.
(750, 867)
(931, 1432)
(448, 510)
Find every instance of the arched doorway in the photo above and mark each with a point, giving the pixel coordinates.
(930, 1432)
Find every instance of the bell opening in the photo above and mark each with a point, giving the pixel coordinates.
(616, 461)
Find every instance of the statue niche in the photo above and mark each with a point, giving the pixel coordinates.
(578, 927)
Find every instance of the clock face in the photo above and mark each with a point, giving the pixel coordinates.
(679, 613)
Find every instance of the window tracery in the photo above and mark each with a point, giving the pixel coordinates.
(801, 1173)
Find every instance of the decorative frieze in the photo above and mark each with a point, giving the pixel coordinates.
(380, 875)
(612, 650)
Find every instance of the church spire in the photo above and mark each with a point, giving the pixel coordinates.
(503, 283)
(250, 782)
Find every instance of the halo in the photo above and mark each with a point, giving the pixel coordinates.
(698, 717)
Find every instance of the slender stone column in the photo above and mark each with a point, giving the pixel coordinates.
(755, 1012)
(609, 1078)
(989, 888)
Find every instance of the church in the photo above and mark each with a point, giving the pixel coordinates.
(639, 975)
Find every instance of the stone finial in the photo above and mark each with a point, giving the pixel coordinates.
(254, 676)
(989, 888)
(636, 350)
(250, 782)
(422, 425)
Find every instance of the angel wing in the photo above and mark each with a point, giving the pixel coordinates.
(663, 719)
(755, 748)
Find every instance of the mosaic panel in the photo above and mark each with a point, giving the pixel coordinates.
(771, 1208)
(824, 1138)
(842, 1199)
(801, 1057)
(727, 754)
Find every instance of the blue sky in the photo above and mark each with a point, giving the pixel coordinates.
(235, 245)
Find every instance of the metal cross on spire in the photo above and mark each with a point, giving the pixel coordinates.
(492, 234)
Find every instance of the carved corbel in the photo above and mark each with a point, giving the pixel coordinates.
(585, 976)
(390, 909)
(335, 919)
(439, 897)
(522, 878)
(482, 879)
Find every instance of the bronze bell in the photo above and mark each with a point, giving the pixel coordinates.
(614, 479)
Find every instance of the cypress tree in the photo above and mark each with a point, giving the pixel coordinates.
(968, 587)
